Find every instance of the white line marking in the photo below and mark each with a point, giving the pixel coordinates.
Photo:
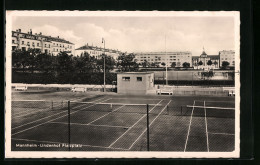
(81, 124)
(85, 145)
(149, 126)
(105, 115)
(220, 108)
(189, 127)
(38, 120)
(48, 121)
(221, 133)
(132, 126)
(206, 125)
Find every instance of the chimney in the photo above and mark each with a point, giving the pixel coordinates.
(19, 30)
(30, 31)
(40, 33)
(58, 36)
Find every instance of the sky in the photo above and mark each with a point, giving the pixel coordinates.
(137, 34)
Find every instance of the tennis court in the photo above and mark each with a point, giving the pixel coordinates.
(119, 123)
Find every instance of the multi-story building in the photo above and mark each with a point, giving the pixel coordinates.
(227, 55)
(202, 61)
(46, 44)
(178, 58)
(97, 51)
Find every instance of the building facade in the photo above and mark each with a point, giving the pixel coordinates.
(167, 58)
(202, 61)
(227, 55)
(97, 51)
(135, 82)
(47, 44)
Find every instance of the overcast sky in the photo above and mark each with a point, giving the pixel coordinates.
(135, 34)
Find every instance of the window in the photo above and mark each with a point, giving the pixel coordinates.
(38, 44)
(28, 43)
(22, 42)
(126, 78)
(139, 78)
(13, 41)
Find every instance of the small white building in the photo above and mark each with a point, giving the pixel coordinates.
(135, 82)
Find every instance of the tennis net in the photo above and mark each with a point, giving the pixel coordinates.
(201, 111)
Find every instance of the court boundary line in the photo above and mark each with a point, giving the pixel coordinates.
(149, 126)
(86, 145)
(105, 115)
(81, 124)
(206, 126)
(45, 117)
(187, 138)
(220, 108)
(214, 101)
(132, 126)
(46, 121)
(35, 111)
(220, 133)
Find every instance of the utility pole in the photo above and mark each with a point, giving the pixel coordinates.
(166, 62)
(103, 41)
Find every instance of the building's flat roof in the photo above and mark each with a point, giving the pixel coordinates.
(135, 73)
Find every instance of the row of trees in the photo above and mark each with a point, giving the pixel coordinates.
(34, 60)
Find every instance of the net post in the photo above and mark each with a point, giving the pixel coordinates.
(69, 124)
(147, 114)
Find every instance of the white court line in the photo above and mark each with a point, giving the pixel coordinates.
(149, 126)
(221, 133)
(206, 125)
(36, 111)
(133, 125)
(189, 127)
(214, 101)
(220, 108)
(89, 124)
(38, 120)
(105, 115)
(46, 121)
(85, 145)
(133, 99)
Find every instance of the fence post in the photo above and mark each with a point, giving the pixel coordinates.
(147, 114)
(69, 124)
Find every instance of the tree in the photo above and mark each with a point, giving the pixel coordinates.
(43, 62)
(225, 64)
(186, 65)
(64, 62)
(163, 64)
(109, 63)
(173, 65)
(200, 63)
(215, 63)
(209, 63)
(145, 64)
(127, 63)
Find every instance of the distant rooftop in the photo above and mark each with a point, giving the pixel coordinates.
(36, 36)
(88, 47)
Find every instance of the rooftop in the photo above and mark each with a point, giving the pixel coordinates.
(135, 73)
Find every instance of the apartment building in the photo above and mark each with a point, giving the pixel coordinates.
(97, 51)
(47, 44)
(167, 58)
(227, 55)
